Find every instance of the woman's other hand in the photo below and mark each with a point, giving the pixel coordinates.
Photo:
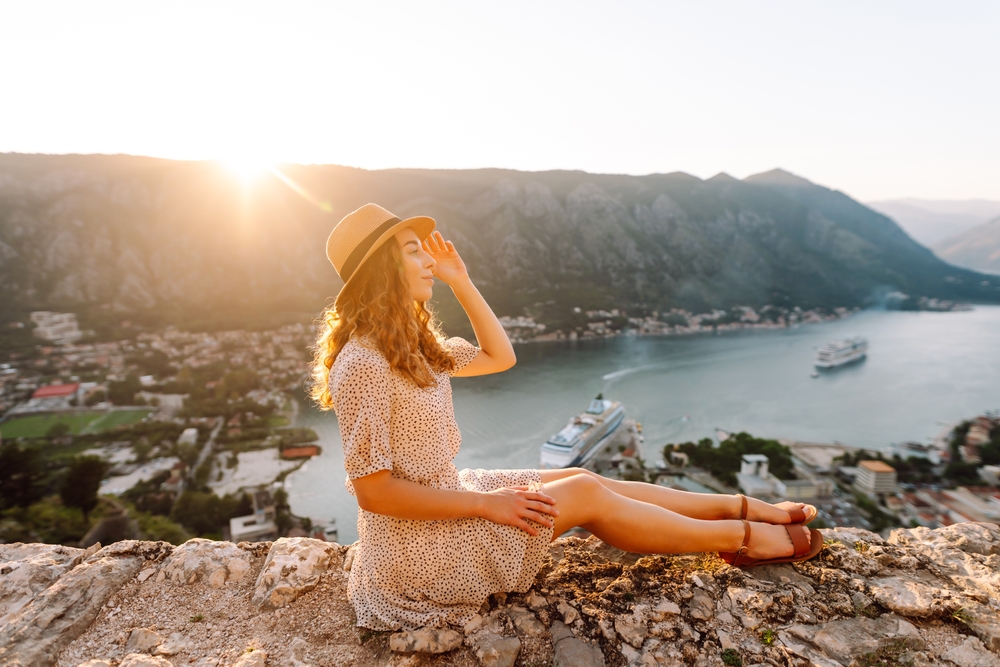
(515, 505)
(449, 268)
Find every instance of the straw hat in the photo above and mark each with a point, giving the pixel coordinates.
(362, 232)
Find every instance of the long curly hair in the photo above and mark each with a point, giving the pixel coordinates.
(377, 303)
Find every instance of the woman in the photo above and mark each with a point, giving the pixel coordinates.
(434, 542)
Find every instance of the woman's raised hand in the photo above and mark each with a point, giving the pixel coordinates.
(449, 266)
(514, 505)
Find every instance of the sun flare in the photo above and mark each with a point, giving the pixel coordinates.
(247, 168)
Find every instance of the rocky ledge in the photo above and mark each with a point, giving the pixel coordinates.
(922, 597)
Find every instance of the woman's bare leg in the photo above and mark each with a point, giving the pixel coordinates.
(706, 506)
(633, 525)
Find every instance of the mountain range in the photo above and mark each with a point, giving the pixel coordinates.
(186, 242)
(930, 221)
(977, 248)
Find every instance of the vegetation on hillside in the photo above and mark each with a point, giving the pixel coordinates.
(724, 461)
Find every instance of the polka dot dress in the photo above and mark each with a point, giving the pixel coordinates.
(407, 574)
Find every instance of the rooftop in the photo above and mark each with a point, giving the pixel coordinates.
(51, 390)
(876, 466)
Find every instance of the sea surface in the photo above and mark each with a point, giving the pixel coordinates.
(924, 371)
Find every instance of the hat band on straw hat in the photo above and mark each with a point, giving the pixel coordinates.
(359, 252)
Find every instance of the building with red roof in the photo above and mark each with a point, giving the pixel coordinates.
(57, 390)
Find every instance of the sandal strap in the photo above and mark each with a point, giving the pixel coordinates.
(743, 506)
(741, 555)
(797, 515)
(801, 543)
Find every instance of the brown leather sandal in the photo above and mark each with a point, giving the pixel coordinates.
(798, 515)
(804, 548)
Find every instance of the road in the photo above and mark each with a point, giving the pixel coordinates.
(209, 444)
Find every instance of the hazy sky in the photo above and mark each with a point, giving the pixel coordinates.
(878, 99)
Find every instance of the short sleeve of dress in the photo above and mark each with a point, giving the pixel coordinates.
(461, 350)
(362, 400)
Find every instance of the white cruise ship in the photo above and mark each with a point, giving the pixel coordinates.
(841, 352)
(584, 435)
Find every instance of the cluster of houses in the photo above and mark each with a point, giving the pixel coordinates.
(676, 321)
(977, 436)
(757, 481)
(278, 356)
(930, 507)
(67, 373)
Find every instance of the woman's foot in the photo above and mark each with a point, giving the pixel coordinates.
(780, 513)
(768, 541)
(765, 543)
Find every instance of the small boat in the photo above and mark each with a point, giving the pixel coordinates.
(584, 435)
(840, 352)
(918, 447)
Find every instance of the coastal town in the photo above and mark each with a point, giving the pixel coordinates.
(192, 431)
(954, 480)
(674, 322)
(192, 434)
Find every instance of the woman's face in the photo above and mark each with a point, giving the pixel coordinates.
(418, 266)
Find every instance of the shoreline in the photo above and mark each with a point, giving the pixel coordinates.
(696, 330)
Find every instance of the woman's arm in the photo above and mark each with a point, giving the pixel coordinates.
(496, 354)
(382, 493)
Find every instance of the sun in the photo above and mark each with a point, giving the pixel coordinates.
(248, 168)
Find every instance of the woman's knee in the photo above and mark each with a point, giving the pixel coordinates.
(583, 472)
(585, 486)
(580, 499)
(564, 473)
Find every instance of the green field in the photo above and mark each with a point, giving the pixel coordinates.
(80, 423)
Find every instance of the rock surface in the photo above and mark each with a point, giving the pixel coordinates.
(207, 562)
(425, 640)
(27, 570)
(921, 597)
(293, 567)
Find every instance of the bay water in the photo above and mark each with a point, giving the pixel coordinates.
(924, 371)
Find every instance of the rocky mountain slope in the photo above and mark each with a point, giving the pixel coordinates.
(929, 221)
(922, 597)
(977, 249)
(133, 234)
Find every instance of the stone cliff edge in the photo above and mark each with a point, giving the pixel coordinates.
(921, 597)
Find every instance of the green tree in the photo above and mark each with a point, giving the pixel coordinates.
(963, 472)
(187, 453)
(156, 527)
(95, 397)
(123, 393)
(282, 512)
(146, 495)
(57, 430)
(21, 474)
(142, 448)
(205, 513)
(724, 461)
(79, 488)
(237, 383)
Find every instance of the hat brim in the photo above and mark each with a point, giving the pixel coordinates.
(421, 224)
